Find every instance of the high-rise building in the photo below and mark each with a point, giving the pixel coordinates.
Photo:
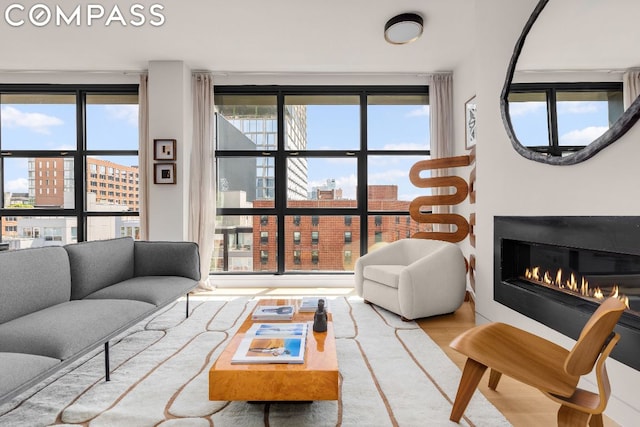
(256, 129)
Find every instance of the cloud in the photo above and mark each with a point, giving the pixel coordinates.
(524, 108)
(20, 185)
(578, 107)
(582, 136)
(419, 112)
(36, 122)
(127, 113)
(406, 146)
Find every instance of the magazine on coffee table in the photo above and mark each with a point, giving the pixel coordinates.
(310, 304)
(273, 312)
(272, 343)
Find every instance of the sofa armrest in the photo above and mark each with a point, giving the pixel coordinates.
(156, 258)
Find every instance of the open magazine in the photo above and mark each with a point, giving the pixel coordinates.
(272, 343)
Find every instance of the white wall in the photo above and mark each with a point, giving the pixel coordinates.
(170, 117)
(508, 184)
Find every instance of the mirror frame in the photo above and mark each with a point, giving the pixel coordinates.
(619, 128)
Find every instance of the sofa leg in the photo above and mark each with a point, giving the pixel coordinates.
(106, 362)
(187, 304)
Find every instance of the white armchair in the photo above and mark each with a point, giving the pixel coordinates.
(413, 277)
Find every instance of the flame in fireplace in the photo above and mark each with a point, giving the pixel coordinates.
(580, 286)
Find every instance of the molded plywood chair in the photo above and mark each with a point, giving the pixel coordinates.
(542, 364)
(413, 277)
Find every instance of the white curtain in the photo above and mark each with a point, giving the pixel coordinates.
(201, 177)
(143, 155)
(631, 86)
(441, 125)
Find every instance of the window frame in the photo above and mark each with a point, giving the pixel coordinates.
(282, 155)
(550, 90)
(79, 154)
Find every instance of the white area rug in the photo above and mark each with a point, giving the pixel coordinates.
(392, 374)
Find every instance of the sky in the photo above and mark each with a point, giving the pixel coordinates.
(401, 127)
(53, 127)
(579, 122)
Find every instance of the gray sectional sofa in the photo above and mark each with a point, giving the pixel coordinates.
(58, 303)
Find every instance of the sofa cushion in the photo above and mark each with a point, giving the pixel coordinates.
(17, 369)
(387, 274)
(32, 279)
(156, 290)
(70, 328)
(158, 258)
(98, 264)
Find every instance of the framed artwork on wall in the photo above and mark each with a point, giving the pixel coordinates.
(164, 149)
(164, 173)
(470, 122)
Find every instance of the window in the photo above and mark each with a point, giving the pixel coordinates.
(315, 257)
(378, 236)
(316, 160)
(561, 118)
(264, 237)
(39, 160)
(264, 257)
(297, 257)
(378, 221)
(347, 257)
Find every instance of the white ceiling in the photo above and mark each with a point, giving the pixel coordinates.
(328, 36)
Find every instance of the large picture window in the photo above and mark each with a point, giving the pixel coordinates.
(69, 162)
(320, 161)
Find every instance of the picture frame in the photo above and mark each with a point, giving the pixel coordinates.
(164, 173)
(164, 149)
(470, 123)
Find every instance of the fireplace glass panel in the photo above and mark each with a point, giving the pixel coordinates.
(587, 273)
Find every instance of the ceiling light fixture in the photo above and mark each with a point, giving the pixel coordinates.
(403, 28)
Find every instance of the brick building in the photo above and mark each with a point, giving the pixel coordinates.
(330, 242)
(51, 182)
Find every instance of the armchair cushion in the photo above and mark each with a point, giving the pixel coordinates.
(386, 274)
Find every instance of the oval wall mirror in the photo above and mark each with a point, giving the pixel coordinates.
(573, 80)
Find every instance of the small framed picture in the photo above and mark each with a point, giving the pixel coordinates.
(164, 149)
(470, 122)
(164, 173)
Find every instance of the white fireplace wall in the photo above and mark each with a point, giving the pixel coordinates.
(508, 184)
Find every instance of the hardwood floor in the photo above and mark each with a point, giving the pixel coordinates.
(522, 405)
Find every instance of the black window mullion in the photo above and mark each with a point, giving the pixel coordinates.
(552, 112)
(363, 183)
(79, 161)
(280, 184)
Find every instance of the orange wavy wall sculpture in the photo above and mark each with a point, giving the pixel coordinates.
(460, 194)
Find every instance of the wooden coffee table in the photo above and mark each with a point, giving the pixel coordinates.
(315, 379)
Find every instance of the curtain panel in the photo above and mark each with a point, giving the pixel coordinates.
(441, 131)
(630, 87)
(202, 207)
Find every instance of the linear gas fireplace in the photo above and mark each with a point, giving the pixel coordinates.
(557, 270)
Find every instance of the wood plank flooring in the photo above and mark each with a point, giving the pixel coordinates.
(522, 405)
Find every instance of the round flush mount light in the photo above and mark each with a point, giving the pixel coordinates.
(403, 28)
